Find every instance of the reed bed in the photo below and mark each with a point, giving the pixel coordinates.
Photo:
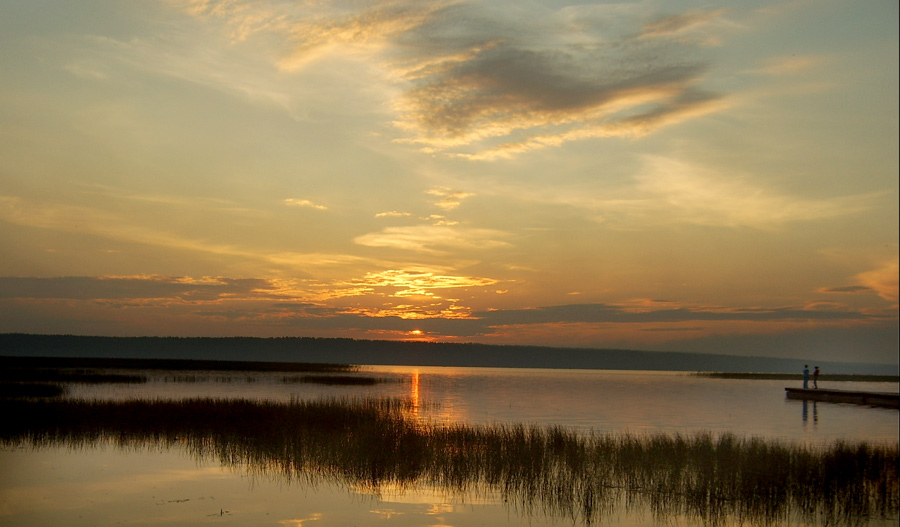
(340, 380)
(74, 376)
(30, 389)
(371, 443)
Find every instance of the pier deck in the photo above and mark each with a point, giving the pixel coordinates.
(882, 399)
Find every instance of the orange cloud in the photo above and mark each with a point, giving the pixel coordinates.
(883, 280)
(418, 282)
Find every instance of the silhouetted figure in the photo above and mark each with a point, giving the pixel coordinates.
(805, 376)
(816, 378)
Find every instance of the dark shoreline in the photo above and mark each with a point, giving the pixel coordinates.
(110, 363)
(56, 363)
(835, 377)
(406, 353)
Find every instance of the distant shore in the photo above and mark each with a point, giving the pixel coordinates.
(112, 363)
(56, 363)
(838, 377)
(403, 353)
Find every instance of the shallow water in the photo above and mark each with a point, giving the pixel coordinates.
(598, 400)
(166, 487)
(100, 487)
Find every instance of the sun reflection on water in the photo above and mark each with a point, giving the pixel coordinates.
(414, 393)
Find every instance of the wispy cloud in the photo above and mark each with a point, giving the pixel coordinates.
(790, 64)
(293, 202)
(199, 59)
(115, 226)
(205, 204)
(88, 220)
(669, 191)
(308, 31)
(451, 199)
(682, 24)
(694, 194)
(602, 313)
(848, 289)
(688, 106)
(393, 214)
(435, 239)
(883, 280)
(130, 287)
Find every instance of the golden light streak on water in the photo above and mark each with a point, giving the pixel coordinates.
(414, 392)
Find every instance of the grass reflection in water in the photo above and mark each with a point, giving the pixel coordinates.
(372, 443)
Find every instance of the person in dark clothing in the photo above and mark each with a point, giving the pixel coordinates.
(805, 376)
(816, 378)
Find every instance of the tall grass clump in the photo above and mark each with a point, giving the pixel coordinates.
(371, 443)
(30, 389)
(340, 380)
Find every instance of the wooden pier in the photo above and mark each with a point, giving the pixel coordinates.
(880, 399)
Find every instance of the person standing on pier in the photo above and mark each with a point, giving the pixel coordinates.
(816, 378)
(805, 376)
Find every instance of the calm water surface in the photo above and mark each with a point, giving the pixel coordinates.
(598, 400)
(111, 486)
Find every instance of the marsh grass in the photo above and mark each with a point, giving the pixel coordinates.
(30, 389)
(74, 376)
(345, 380)
(192, 378)
(342, 380)
(373, 443)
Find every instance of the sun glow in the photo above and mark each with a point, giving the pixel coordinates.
(417, 335)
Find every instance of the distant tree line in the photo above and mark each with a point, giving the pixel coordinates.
(387, 352)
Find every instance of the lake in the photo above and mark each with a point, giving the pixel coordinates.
(99, 483)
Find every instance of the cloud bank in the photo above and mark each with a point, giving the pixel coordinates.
(425, 304)
(481, 82)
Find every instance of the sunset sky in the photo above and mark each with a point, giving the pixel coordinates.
(690, 176)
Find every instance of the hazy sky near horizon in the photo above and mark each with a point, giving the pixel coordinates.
(693, 176)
